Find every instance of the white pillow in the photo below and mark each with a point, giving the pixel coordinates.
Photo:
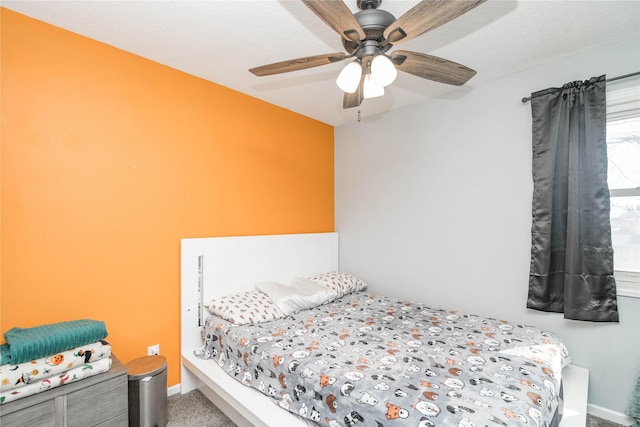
(340, 282)
(302, 295)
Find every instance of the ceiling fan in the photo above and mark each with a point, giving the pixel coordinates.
(368, 35)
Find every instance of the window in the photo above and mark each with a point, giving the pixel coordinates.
(623, 151)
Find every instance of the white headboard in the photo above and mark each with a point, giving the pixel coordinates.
(224, 265)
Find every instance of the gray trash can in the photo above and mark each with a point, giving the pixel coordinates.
(148, 391)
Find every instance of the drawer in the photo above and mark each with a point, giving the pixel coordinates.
(119, 421)
(98, 404)
(41, 415)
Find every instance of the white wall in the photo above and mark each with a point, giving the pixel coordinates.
(433, 203)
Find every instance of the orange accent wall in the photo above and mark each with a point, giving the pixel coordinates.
(109, 159)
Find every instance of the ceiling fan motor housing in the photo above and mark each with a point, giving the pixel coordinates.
(373, 23)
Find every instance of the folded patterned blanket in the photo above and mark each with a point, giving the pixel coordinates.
(75, 374)
(17, 376)
(24, 345)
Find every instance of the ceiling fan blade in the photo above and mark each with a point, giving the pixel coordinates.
(354, 99)
(431, 67)
(337, 15)
(298, 64)
(425, 16)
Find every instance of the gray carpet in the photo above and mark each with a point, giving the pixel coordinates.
(194, 409)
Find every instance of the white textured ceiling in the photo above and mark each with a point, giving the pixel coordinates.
(220, 40)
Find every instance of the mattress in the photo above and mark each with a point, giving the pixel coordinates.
(377, 361)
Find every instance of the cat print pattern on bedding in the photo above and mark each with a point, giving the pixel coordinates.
(369, 360)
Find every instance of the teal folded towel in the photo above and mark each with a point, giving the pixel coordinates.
(24, 345)
(5, 354)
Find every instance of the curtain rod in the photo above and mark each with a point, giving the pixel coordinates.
(612, 79)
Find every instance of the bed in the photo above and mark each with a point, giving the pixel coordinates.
(358, 359)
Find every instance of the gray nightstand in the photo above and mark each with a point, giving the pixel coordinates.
(100, 400)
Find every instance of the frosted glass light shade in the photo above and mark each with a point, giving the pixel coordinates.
(383, 71)
(372, 88)
(349, 78)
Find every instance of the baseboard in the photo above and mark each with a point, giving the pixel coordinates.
(608, 414)
(174, 389)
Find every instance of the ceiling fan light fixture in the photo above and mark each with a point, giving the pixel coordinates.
(349, 78)
(371, 88)
(383, 71)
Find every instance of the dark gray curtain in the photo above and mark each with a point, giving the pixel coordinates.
(571, 254)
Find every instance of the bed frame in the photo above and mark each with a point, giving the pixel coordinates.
(218, 266)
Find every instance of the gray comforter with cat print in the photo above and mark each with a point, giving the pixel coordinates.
(369, 360)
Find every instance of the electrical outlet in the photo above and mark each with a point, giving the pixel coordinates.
(153, 350)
